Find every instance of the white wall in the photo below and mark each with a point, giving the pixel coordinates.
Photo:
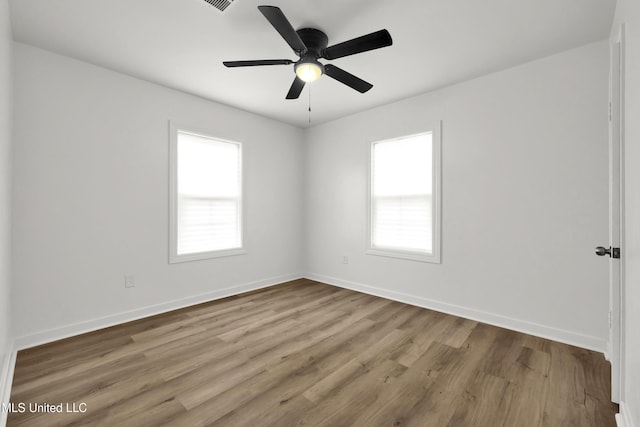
(628, 13)
(91, 198)
(524, 198)
(5, 192)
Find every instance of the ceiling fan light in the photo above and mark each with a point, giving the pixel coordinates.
(308, 71)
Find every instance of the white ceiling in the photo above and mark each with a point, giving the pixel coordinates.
(182, 43)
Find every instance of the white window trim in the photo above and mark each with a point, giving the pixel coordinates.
(435, 256)
(173, 197)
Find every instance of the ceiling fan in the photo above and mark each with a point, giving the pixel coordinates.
(310, 45)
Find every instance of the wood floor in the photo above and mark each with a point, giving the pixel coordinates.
(309, 354)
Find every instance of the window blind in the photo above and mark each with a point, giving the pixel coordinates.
(401, 194)
(209, 193)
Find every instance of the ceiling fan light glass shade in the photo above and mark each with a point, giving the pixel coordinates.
(308, 71)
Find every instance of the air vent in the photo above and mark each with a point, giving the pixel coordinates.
(221, 5)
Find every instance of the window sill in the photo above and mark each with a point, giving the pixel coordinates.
(411, 256)
(205, 255)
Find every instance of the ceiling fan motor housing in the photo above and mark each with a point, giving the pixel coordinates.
(315, 40)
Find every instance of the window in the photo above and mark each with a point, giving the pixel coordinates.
(405, 197)
(206, 196)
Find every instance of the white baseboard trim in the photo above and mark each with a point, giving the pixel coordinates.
(59, 333)
(6, 379)
(567, 337)
(623, 418)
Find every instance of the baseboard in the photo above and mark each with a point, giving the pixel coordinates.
(6, 379)
(567, 337)
(623, 418)
(55, 334)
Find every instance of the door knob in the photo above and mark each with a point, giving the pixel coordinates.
(612, 252)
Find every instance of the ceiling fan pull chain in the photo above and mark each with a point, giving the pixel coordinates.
(309, 104)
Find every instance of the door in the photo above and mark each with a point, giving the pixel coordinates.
(616, 210)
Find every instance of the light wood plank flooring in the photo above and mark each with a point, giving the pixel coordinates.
(309, 354)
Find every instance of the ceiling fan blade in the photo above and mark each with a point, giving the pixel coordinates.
(347, 78)
(257, 62)
(296, 89)
(275, 16)
(360, 44)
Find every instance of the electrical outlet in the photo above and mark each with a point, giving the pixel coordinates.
(129, 281)
(345, 259)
